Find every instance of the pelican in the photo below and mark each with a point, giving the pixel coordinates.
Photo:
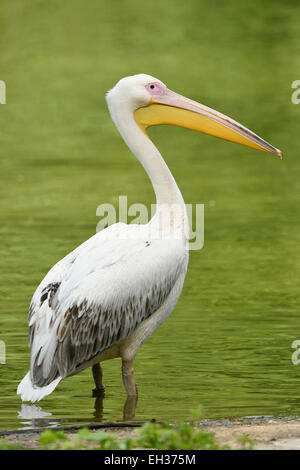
(106, 298)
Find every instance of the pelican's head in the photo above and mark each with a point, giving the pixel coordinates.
(152, 103)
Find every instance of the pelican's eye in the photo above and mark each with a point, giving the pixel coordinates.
(156, 89)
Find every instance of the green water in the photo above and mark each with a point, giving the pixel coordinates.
(227, 345)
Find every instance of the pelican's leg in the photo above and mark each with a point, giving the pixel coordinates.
(99, 391)
(128, 378)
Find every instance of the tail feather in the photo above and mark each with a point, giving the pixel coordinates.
(30, 392)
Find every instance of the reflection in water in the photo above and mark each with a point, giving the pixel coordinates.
(129, 408)
(99, 393)
(98, 413)
(32, 416)
(35, 417)
(32, 412)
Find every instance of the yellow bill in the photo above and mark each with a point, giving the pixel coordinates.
(177, 110)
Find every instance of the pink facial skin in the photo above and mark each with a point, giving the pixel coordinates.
(156, 89)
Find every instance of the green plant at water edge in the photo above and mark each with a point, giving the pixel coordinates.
(180, 436)
(84, 439)
(50, 438)
(151, 435)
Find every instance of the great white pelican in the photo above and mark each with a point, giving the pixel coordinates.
(105, 298)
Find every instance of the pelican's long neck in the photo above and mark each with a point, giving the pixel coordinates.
(164, 185)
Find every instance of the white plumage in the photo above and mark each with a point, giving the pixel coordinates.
(121, 277)
(106, 297)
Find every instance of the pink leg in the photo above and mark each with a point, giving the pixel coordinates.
(128, 378)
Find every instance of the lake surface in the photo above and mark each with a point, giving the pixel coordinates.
(227, 345)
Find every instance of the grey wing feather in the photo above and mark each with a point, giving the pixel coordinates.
(88, 327)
